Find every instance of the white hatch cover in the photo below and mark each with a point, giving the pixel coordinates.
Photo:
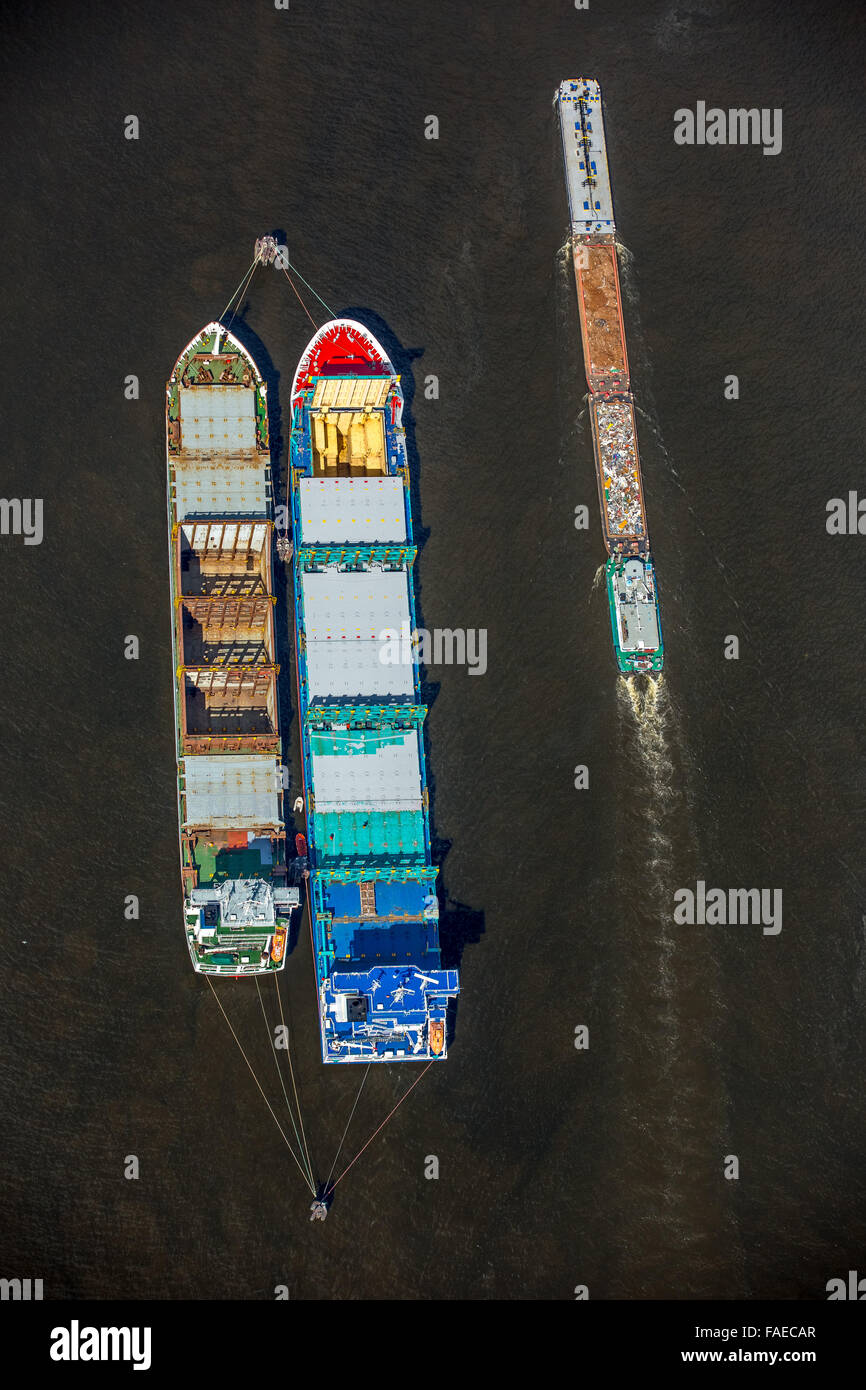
(218, 418)
(352, 509)
(232, 792)
(345, 617)
(388, 779)
(211, 488)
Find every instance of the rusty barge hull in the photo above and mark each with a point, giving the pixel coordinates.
(601, 324)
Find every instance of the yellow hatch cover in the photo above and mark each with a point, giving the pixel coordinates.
(351, 392)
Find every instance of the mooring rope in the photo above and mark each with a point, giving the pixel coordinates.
(256, 1079)
(348, 1122)
(248, 274)
(310, 288)
(249, 280)
(381, 1127)
(281, 1081)
(292, 1071)
(300, 301)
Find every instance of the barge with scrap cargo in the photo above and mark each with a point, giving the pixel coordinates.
(630, 572)
(237, 901)
(383, 994)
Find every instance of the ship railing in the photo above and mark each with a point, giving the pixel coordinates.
(205, 969)
(239, 942)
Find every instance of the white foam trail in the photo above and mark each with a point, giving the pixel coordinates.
(646, 698)
(645, 706)
(625, 259)
(647, 710)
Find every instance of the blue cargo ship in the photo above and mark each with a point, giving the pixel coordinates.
(374, 914)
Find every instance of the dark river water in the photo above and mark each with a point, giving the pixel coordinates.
(558, 1167)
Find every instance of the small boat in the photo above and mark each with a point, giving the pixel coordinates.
(266, 250)
(278, 945)
(300, 846)
(437, 1037)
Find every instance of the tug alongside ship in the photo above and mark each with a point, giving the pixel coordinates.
(630, 572)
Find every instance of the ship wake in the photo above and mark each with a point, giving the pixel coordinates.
(670, 1004)
(646, 701)
(597, 580)
(648, 723)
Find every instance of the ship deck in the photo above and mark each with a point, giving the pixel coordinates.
(634, 612)
(232, 834)
(585, 154)
(382, 990)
